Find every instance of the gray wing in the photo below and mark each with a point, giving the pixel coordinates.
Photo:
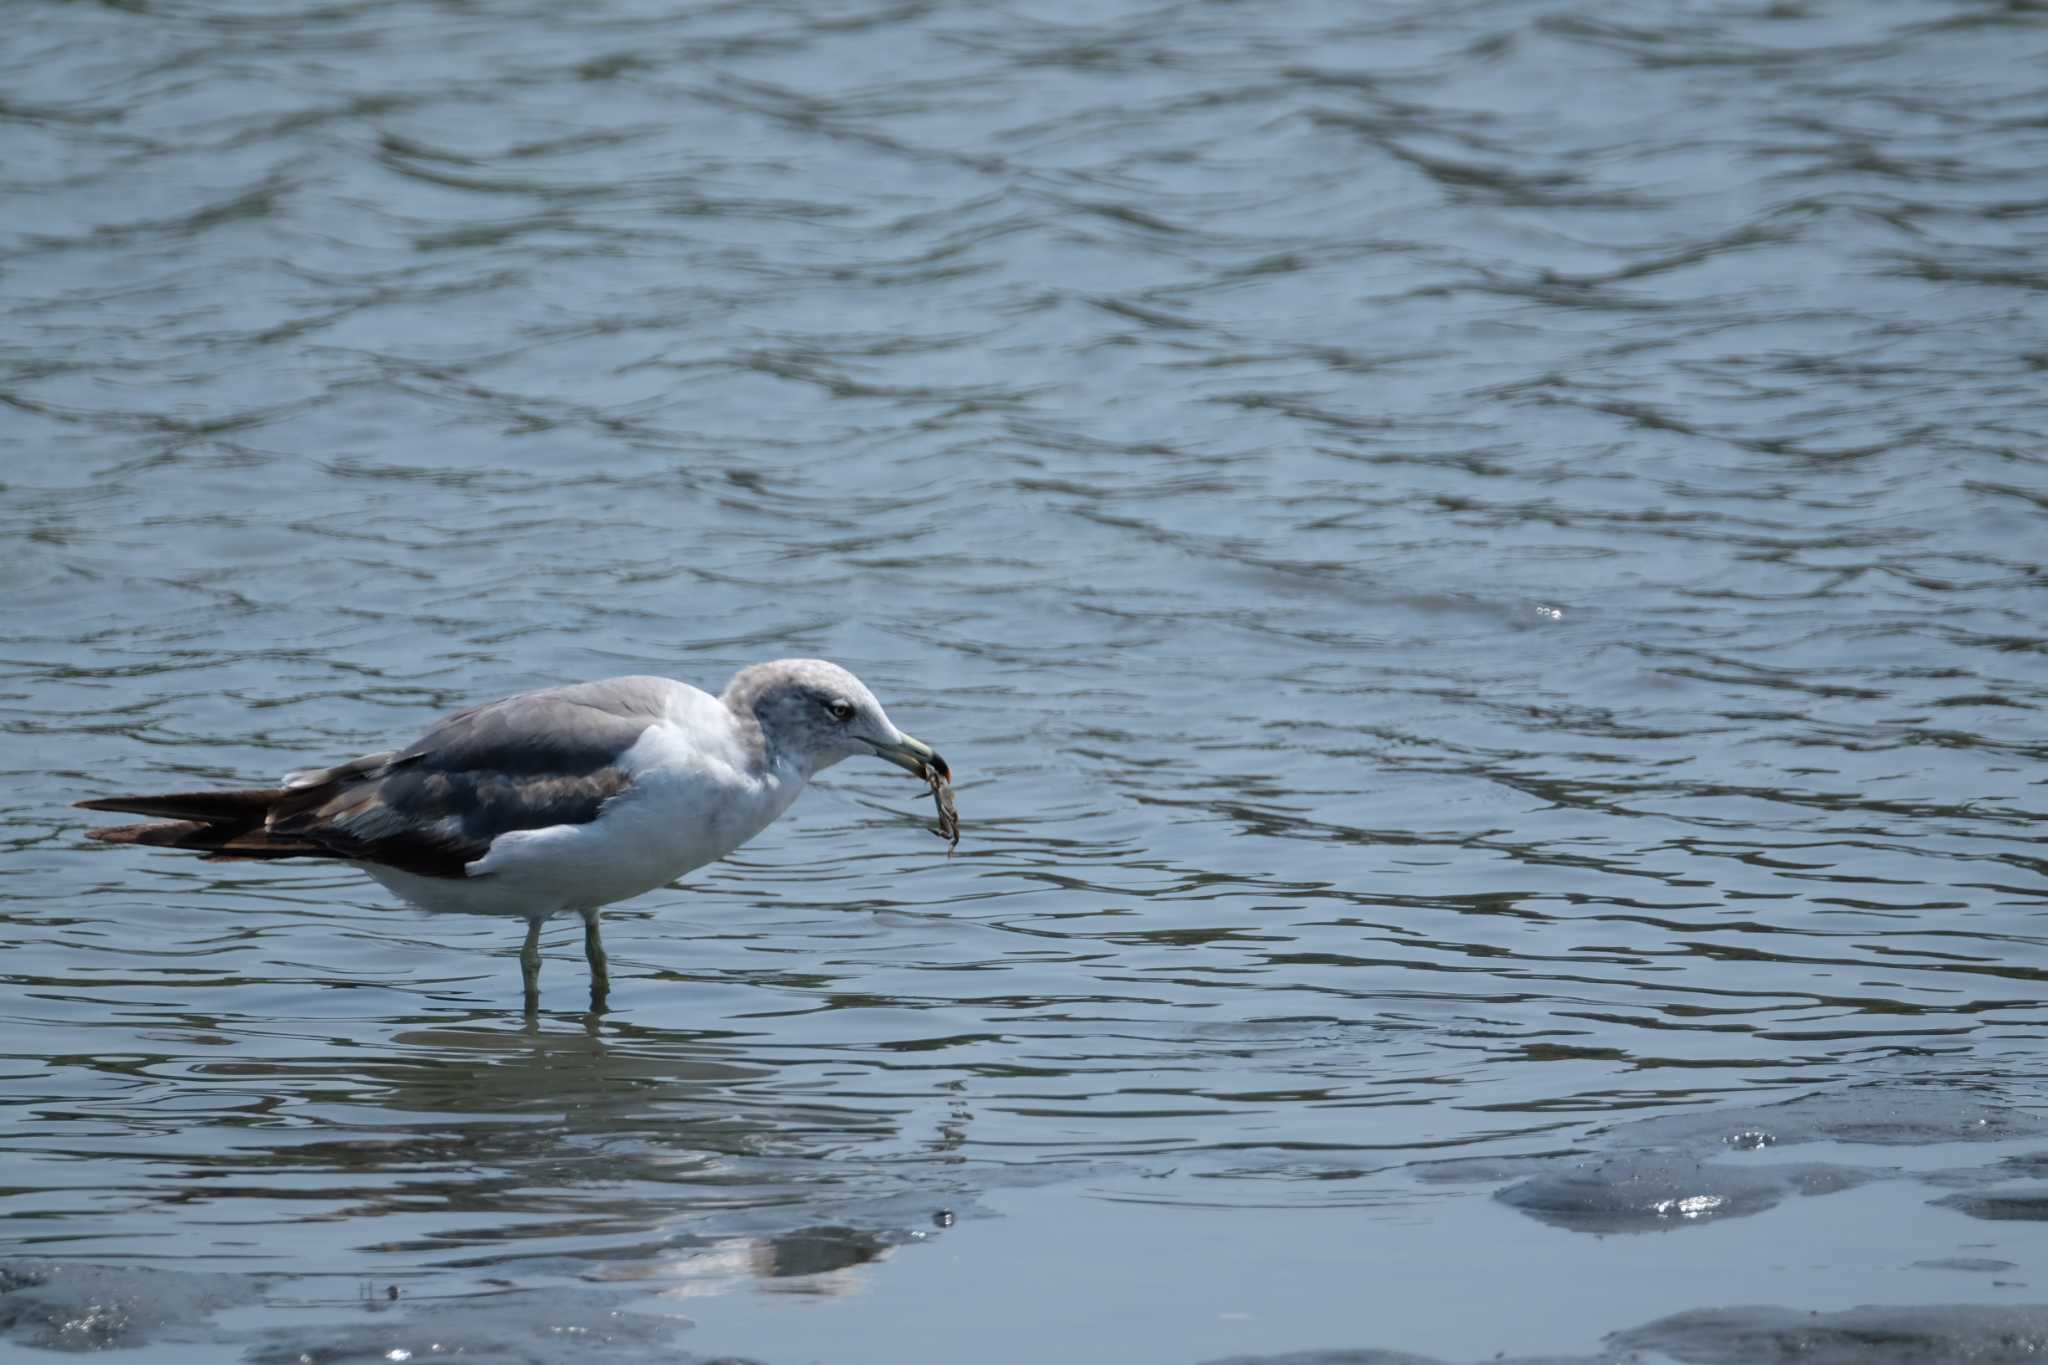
(526, 762)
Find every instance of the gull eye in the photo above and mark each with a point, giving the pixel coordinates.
(841, 709)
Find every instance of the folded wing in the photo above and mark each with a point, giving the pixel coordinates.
(527, 762)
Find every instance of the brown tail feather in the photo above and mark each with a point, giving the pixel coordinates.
(219, 842)
(171, 834)
(223, 825)
(257, 844)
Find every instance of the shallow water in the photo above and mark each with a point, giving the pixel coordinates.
(1480, 567)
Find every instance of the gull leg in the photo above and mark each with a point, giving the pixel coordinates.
(529, 965)
(593, 953)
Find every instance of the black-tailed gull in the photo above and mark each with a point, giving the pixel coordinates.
(569, 798)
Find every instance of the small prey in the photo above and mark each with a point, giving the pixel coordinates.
(942, 797)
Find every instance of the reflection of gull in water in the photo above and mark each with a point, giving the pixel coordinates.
(565, 799)
(667, 1157)
(824, 1260)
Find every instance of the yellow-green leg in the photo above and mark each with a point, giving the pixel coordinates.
(529, 965)
(593, 953)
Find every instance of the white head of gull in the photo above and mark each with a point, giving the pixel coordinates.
(569, 798)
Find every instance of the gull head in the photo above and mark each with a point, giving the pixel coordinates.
(813, 714)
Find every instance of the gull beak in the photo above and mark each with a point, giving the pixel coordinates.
(914, 756)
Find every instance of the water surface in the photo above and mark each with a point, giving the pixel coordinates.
(1480, 567)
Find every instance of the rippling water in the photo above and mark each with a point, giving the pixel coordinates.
(1481, 567)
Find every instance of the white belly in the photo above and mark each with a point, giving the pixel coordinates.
(683, 810)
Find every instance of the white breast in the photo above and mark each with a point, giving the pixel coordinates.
(694, 798)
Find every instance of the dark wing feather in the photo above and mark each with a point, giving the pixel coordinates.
(526, 762)
(241, 806)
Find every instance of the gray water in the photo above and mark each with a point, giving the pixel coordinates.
(1480, 566)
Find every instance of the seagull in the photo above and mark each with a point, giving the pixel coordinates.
(565, 799)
